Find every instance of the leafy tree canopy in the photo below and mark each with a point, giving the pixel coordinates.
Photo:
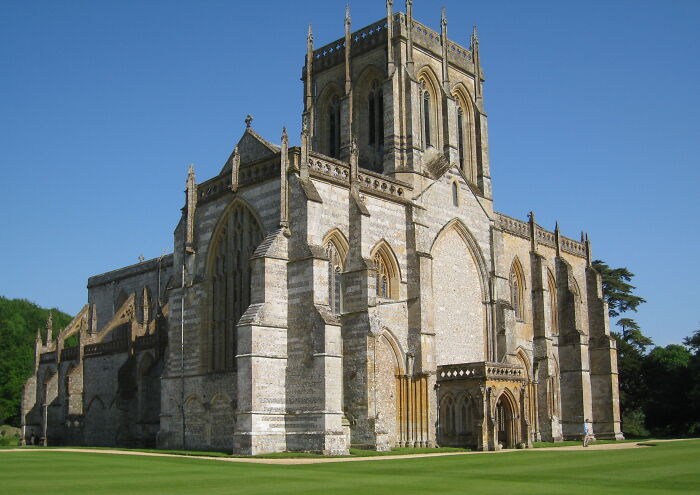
(617, 290)
(632, 334)
(693, 342)
(19, 321)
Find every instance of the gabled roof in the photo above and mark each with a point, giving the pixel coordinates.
(251, 146)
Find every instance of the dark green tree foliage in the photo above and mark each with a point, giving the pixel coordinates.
(667, 374)
(617, 290)
(19, 321)
(634, 393)
(631, 346)
(693, 393)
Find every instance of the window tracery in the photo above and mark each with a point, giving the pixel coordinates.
(387, 279)
(230, 283)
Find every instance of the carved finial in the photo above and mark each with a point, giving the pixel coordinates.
(531, 216)
(191, 202)
(475, 37)
(443, 17)
(284, 167)
(310, 36)
(347, 14)
(409, 3)
(235, 167)
(49, 328)
(248, 121)
(38, 334)
(556, 227)
(141, 258)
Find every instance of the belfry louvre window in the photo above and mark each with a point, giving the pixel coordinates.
(375, 102)
(230, 279)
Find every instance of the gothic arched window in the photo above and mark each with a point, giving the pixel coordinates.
(460, 137)
(427, 141)
(375, 102)
(334, 127)
(516, 289)
(230, 283)
(335, 269)
(382, 277)
(387, 273)
(552, 287)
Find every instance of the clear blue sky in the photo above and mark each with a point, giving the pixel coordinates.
(593, 119)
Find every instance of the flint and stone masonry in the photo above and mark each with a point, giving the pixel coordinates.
(356, 290)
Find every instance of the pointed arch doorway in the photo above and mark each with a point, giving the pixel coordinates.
(506, 424)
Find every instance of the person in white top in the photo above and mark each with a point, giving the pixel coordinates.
(587, 432)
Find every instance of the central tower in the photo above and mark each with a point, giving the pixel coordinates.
(409, 97)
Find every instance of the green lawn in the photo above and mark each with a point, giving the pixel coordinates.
(664, 468)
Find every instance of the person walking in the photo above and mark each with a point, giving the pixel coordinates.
(587, 432)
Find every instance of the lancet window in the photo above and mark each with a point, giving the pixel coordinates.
(335, 269)
(455, 194)
(230, 279)
(382, 276)
(554, 320)
(516, 290)
(427, 141)
(387, 273)
(334, 127)
(460, 137)
(375, 102)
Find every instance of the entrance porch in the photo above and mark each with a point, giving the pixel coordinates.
(483, 406)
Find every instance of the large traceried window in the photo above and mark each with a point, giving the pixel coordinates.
(375, 110)
(334, 127)
(230, 279)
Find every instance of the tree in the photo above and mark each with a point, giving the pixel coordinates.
(616, 289)
(19, 321)
(667, 373)
(631, 346)
(693, 342)
(632, 334)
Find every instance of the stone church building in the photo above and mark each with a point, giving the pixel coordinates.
(357, 290)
